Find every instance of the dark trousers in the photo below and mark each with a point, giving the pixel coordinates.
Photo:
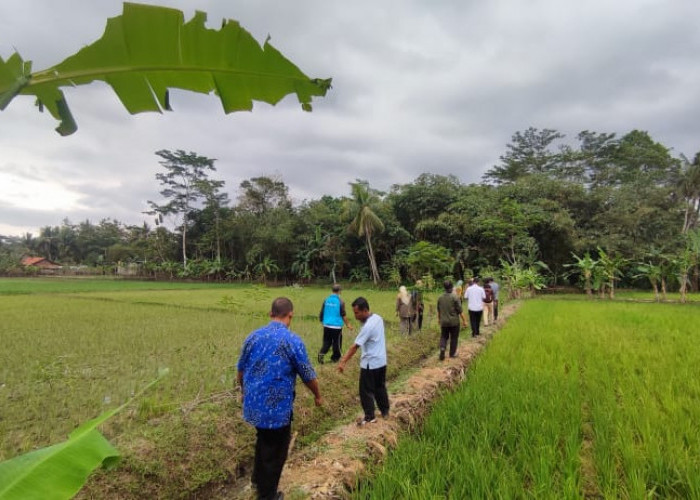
(271, 450)
(332, 337)
(451, 333)
(373, 387)
(475, 321)
(495, 309)
(418, 319)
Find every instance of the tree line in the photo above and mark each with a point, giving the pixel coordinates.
(600, 210)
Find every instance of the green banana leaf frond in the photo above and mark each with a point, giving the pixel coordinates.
(148, 50)
(58, 472)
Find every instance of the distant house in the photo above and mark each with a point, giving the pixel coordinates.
(41, 263)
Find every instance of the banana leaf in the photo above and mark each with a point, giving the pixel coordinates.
(148, 50)
(59, 471)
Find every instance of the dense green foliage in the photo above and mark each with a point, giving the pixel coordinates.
(571, 400)
(626, 203)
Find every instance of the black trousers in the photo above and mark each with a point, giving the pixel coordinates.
(332, 337)
(475, 321)
(418, 319)
(495, 309)
(373, 387)
(271, 450)
(451, 333)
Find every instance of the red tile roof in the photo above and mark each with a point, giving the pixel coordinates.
(31, 261)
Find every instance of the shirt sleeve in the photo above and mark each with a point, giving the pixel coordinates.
(301, 360)
(363, 336)
(242, 360)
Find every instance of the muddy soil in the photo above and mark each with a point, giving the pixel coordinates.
(331, 467)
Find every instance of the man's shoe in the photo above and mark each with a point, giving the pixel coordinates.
(320, 358)
(442, 355)
(366, 421)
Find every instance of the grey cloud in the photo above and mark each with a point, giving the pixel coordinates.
(418, 87)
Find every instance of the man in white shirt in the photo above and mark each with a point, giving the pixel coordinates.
(475, 296)
(372, 361)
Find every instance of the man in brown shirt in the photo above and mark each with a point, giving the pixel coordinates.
(449, 311)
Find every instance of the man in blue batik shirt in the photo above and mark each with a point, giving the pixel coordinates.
(271, 359)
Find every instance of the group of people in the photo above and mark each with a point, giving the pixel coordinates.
(481, 302)
(273, 356)
(409, 308)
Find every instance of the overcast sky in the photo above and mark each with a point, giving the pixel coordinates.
(434, 86)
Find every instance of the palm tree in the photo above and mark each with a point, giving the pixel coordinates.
(265, 267)
(652, 272)
(365, 221)
(612, 269)
(586, 266)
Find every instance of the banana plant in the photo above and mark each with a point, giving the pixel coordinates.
(148, 50)
(59, 471)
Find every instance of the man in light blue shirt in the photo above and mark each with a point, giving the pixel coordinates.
(372, 361)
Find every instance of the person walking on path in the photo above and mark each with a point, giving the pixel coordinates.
(459, 290)
(475, 296)
(449, 310)
(417, 305)
(333, 318)
(404, 310)
(488, 305)
(373, 361)
(270, 360)
(496, 289)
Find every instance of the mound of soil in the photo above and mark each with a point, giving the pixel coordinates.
(331, 467)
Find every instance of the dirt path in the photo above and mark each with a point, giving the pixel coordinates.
(330, 467)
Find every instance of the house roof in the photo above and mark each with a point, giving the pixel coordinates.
(31, 261)
(40, 262)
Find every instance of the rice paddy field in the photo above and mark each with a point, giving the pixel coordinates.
(74, 348)
(571, 399)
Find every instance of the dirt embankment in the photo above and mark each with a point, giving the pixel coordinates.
(331, 467)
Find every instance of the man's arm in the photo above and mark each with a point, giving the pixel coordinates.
(239, 377)
(351, 352)
(314, 388)
(344, 316)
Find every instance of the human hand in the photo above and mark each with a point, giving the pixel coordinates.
(318, 401)
(341, 366)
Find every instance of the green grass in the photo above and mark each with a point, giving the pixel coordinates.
(75, 348)
(22, 286)
(572, 399)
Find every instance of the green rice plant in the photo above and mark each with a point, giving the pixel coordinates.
(59, 471)
(572, 399)
(74, 353)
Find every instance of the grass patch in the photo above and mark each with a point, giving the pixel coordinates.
(79, 347)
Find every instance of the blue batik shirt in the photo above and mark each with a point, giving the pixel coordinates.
(271, 358)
